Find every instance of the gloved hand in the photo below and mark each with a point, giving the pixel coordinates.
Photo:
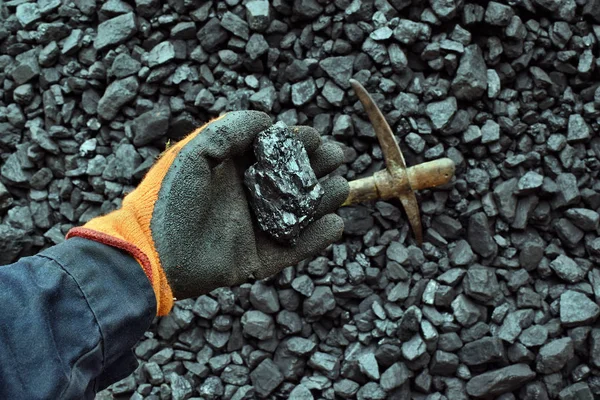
(189, 225)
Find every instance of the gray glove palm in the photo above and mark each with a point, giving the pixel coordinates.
(202, 225)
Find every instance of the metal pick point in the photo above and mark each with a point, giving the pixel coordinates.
(396, 181)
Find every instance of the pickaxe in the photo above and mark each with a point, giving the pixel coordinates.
(396, 180)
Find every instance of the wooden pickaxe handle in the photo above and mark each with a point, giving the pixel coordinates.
(381, 186)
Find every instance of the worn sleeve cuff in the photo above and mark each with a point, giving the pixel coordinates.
(117, 291)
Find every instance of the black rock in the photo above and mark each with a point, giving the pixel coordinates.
(470, 81)
(235, 24)
(339, 69)
(577, 391)
(116, 95)
(27, 67)
(319, 303)
(284, 191)
(151, 125)
(584, 218)
(212, 35)
(12, 243)
(258, 15)
(307, 9)
(258, 325)
(328, 364)
(498, 14)
(440, 113)
(480, 236)
(115, 31)
(500, 381)
(264, 298)
(395, 376)
(568, 269)
(482, 351)
(576, 309)
(553, 356)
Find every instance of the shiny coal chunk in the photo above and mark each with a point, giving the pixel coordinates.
(284, 191)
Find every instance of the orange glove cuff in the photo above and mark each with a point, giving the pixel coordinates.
(128, 228)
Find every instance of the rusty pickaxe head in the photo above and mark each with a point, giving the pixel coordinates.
(396, 181)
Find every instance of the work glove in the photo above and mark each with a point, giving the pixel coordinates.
(189, 225)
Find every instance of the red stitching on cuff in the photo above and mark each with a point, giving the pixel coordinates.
(114, 242)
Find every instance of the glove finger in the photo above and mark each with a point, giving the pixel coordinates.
(336, 192)
(232, 134)
(326, 159)
(314, 239)
(309, 137)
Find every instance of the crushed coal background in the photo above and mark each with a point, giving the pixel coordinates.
(502, 299)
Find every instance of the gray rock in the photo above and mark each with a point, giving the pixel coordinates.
(568, 191)
(26, 68)
(514, 323)
(339, 69)
(258, 325)
(576, 309)
(307, 9)
(115, 31)
(368, 365)
(161, 54)
(123, 66)
(482, 351)
(529, 183)
(116, 95)
(264, 298)
(237, 25)
(303, 92)
(440, 113)
(12, 243)
(506, 201)
(28, 14)
(535, 335)
(470, 81)
(150, 126)
(126, 161)
(584, 218)
(443, 363)
(553, 356)
(577, 391)
(181, 388)
(212, 35)
(568, 269)
(500, 381)
(414, 348)
(258, 15)
(346, 388)
(300, 346)
(480, 235)
(300, 392)
(206, 307)
(579, 130)
(395, 376)
(256, 46)
(284, 191)
(444, 9)
(498, 14)
(303, 285)
(490, 132)
(465, 311)
(319, 303)
(481, 283)
(328, 364)
(266, 377)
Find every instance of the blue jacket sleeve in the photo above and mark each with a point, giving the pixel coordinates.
(69, 318)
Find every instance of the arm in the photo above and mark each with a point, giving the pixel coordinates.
(69, 318)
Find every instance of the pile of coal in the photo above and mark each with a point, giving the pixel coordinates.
(501, 301)
(284, 190)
